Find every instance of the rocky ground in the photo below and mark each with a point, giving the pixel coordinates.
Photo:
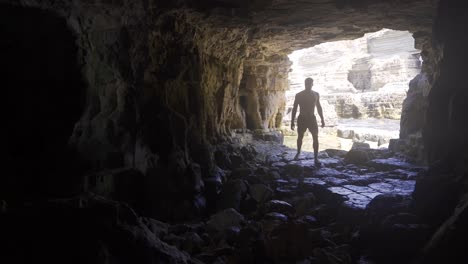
(264, 207)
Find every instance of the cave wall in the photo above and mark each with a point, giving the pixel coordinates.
(161, 85)
(163, 80)
(440, 196)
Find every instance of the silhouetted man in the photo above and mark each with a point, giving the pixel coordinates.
(307, 100)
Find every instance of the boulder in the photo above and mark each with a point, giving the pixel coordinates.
(345, 133)
(225, 219)
(336, 153)
(279, 207)
(158, 228)
(192, 243)
(360, 145)
(233, 192)
(291, 241)
(260, 192)
(357, 156)
(222, 159)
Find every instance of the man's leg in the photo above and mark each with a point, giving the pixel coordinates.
(300, 136)
(314, 133)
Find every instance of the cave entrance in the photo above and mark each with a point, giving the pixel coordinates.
(43, 99)
(362, 85)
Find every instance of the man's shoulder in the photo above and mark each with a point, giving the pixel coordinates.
(315, 93)
(300, 93)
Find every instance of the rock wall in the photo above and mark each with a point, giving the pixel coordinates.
(441, 195)
(262, 89)
(386, 57)
(367, 105)
(165, 82)
(365, 77)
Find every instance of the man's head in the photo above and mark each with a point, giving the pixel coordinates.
(308, 83)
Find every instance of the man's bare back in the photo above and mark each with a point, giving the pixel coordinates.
(307, 100)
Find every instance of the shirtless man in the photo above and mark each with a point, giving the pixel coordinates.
(307, 100)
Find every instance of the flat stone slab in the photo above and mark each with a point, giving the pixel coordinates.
(382, 187)
(334, 181)
(356, 184)
(391, 164)
(341, 191)
(359, 189)
(358, 200)
(328, 172)
(371, 195)
(314, 181)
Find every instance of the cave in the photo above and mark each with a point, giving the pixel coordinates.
(152, 132)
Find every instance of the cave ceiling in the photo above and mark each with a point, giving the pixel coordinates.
(280, 27)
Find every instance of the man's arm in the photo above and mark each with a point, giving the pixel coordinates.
(319, 110)
(293, 117)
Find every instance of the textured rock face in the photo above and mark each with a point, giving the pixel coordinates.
(366, 77)
(165, 81)
(386, 57)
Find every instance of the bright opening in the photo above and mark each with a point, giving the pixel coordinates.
(362, 85)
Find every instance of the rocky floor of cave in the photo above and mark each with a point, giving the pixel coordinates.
(276, 209)
(264, 207)
(273, 209)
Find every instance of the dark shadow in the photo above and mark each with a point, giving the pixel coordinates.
(42, 96)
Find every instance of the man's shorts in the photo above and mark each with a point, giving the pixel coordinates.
(307, 122)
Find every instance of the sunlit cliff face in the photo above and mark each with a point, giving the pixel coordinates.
(365, 78)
